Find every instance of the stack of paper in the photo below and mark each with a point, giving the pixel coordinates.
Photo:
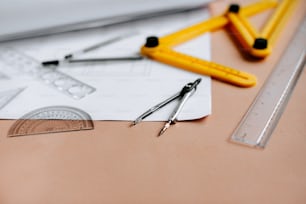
(123, 90)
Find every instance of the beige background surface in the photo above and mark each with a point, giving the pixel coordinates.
(194, 162)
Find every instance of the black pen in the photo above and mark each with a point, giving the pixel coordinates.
(68, 57)
(90, 60)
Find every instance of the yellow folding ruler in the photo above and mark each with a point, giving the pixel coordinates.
(260, 44)
(161, 49)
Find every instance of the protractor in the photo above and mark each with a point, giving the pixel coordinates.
(51, 119)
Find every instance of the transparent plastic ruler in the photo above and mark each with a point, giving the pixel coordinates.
(7, 96)
(54, 78)
(263, 115)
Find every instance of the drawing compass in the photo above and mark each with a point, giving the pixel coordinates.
(183, 95)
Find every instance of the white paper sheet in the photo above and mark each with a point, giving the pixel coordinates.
(124, 90)
(35, 17)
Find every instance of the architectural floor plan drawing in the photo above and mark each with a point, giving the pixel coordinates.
(123, 89)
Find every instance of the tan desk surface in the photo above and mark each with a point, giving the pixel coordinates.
(194, 162)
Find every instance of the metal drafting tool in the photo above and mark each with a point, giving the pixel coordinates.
(7, 96)
(255, 43)
(52, 119)
(54, 78)
(97, 45)
(161, 49)
(182, 96)
(70, 58)
(263, 115)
